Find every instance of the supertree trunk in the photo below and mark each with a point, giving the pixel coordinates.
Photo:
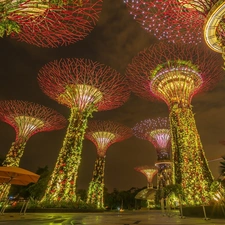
(84, 86)
(103, 134)
(157, 132)
(96, 186)
(12, 159)
(164, 175)
(62, 184)
(15, 153)
(191, 169)
(27, 119)
(165, 166)
(178, 73)
(149, 185)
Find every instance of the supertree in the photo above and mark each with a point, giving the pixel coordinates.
(103, 134)
(149, 172)
(50, 23)
(27, 119)
(157, 132)
(174, 74)
(161, 19)
(84, 86)
(185, 20)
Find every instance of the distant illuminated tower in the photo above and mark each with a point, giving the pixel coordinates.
(174, 74)
(49, 23)
(83, 86)
(27, 119)
(157, 132)
(149, 173)
(102, 134)
(185, 20)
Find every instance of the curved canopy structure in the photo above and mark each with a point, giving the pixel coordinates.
(50, 23)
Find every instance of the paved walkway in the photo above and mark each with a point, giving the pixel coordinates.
(106, 218)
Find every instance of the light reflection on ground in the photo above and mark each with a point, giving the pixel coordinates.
(107, 218)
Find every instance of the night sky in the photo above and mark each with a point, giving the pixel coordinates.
(114, 41)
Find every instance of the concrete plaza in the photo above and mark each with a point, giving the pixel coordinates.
(106, 218)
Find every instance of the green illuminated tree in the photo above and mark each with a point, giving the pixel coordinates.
(175, 74)
(85, 87)
(157, 132)
(149, 172)
(27, 119)
(102, 134)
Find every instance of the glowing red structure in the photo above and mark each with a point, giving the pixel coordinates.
(148, 193)
(83, 86)
(175, 74)
(27, 119)
(183, 20)
(149, 173)
(211, 19)
(161, 19)
(103, 134)
(157, 132)
(51, 23)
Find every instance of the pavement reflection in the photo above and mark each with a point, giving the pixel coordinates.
(152, 217)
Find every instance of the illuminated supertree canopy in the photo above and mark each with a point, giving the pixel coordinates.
(84, 86)
(174, 74)
(157, 132)
(185, 20)
(161, 18)
(149, 173)
(49, 23)
(211, 15)
(27, 119)
(102, 134)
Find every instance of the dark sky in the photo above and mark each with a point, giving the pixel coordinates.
(114, 41)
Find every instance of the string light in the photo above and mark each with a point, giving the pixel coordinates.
(103, 134)
(27, 119)
(183, 71)
(157, 132)
(85, 87)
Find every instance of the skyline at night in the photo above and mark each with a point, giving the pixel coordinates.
(115, 40)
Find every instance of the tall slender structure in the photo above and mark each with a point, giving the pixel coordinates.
(27, 119)
(146, 194)
(185, 20)
(175, 74)
(85, 87)
(103, 134)
(149, 173)
(157, 132)
(50, 23)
